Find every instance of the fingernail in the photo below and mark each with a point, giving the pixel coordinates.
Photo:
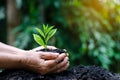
(67, 54)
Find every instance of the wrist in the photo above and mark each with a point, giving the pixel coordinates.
(20, 58)
(23, 58)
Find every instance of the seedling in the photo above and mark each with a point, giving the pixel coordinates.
(44, 35)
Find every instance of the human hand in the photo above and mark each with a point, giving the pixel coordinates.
(63, 64)
(44, 62)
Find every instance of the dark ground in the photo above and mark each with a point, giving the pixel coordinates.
(75, 73)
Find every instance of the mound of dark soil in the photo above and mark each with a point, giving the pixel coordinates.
(75, 73)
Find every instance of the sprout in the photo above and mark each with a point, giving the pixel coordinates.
(45, 35)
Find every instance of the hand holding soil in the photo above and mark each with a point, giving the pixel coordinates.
(40, 62)
(45, 62)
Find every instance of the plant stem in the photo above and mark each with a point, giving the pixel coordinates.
(45, 46)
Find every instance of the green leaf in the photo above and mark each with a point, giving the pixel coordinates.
(17, 29)
(38, 39)
(45, 28)
(40, 31)
(48, 30)
(50, 34)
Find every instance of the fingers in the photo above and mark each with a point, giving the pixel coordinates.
(63, 63)
(51, 63)
(61, 66)
(48, 55)
(60, 58)
(57, 60)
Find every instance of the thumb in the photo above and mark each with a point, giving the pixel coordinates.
(49, 55)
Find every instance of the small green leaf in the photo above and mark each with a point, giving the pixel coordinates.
(50, 34)
(45, 28)
(48, 30)
(40, 31)
(38, 39)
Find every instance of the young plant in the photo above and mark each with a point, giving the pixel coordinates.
(44, 35)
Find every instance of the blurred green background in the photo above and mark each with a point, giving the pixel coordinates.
(88, 29)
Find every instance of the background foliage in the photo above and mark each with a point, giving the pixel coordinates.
(88, 29)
